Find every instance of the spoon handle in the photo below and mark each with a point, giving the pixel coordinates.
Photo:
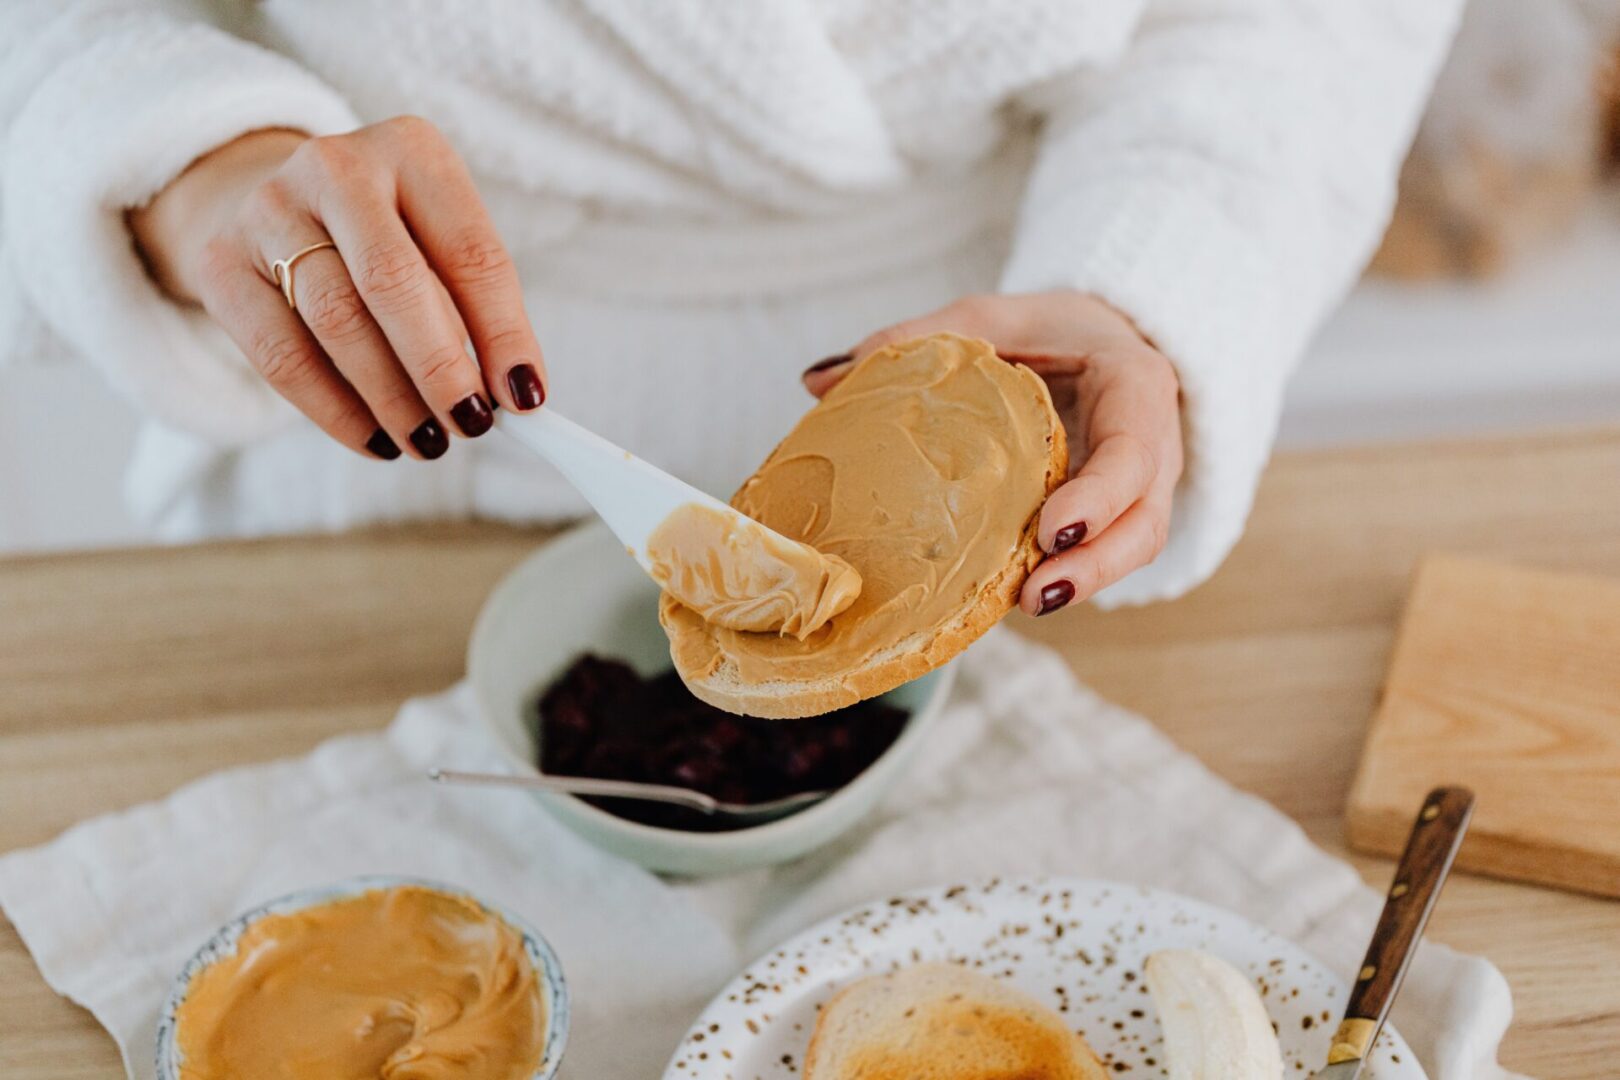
(581, 785)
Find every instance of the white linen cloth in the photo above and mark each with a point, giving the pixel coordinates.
(702, 199)
(1028, 773)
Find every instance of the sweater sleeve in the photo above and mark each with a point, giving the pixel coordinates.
(1223, 184)
(102, 103)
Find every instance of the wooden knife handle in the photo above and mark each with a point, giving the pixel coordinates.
(1430, 849)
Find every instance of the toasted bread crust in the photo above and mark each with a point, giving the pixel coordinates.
(942, 996)
(923, 651)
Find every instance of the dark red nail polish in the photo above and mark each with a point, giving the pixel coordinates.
(1055, 595)
(430, 440)
(382, 446)
(1068, 536)
(472, 415)
(527, 390)
(829, 362)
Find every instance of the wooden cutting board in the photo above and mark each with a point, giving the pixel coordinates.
(1505, 680)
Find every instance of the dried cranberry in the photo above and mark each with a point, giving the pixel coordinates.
(602, 719)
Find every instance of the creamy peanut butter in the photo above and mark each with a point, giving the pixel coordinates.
(737, 575)
(921, 470)
(405, 983)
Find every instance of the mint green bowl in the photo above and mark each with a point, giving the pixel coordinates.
(582, 593)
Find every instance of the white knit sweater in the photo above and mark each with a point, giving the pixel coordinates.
(703, 197)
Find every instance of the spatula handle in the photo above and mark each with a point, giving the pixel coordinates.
(631, 495)
(1430, 849)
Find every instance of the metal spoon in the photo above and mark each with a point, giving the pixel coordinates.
(740, 813)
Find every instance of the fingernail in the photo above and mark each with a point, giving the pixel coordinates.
(524, 382)
(472, 415)
(430, 440)
(828, 363)
(382, 446)
(1068, 536)
(1055, 595)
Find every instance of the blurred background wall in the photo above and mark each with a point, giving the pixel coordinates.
(1493, 305)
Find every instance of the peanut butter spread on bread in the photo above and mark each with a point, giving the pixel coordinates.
(921, 470)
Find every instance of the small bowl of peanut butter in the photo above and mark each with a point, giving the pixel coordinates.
(368, 978)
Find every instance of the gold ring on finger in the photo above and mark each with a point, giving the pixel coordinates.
(282, 270)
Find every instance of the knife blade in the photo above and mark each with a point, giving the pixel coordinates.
(1344, 1070)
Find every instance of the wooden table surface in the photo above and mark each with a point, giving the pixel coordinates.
(126, 674)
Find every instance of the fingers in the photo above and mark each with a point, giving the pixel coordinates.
(397, 286)
(992, 318)
(352, 195)
(383, 323)
(1119, 398)
(1116, 474)
(1123, 403)
(282, 349)
(1114, 516)
(332, 308)
(1013, 323)
(997, 319)
(1134, 540)
(445, 214)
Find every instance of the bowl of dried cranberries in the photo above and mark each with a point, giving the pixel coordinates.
(572, 676)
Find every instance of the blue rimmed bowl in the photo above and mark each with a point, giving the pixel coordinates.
(553, 987)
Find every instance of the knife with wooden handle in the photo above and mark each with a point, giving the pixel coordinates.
(1430, 848)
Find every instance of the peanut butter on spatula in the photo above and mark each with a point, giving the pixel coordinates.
(735, 574)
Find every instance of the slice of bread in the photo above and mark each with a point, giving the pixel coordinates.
(721, 683)
(943, 1022)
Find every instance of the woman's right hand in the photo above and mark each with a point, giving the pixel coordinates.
(375, 352)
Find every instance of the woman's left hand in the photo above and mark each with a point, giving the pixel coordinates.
(1120, 403)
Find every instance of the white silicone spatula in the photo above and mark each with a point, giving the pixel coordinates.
(631, 496)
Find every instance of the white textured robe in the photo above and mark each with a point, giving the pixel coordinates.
(704, 197)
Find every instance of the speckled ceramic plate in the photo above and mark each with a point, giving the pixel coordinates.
(1077, 945)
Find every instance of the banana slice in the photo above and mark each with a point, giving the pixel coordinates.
(1215, 1027)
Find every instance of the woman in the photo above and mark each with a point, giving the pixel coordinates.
(688, 201)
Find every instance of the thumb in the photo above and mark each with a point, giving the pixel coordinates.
(823, 375)
(975, 316)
